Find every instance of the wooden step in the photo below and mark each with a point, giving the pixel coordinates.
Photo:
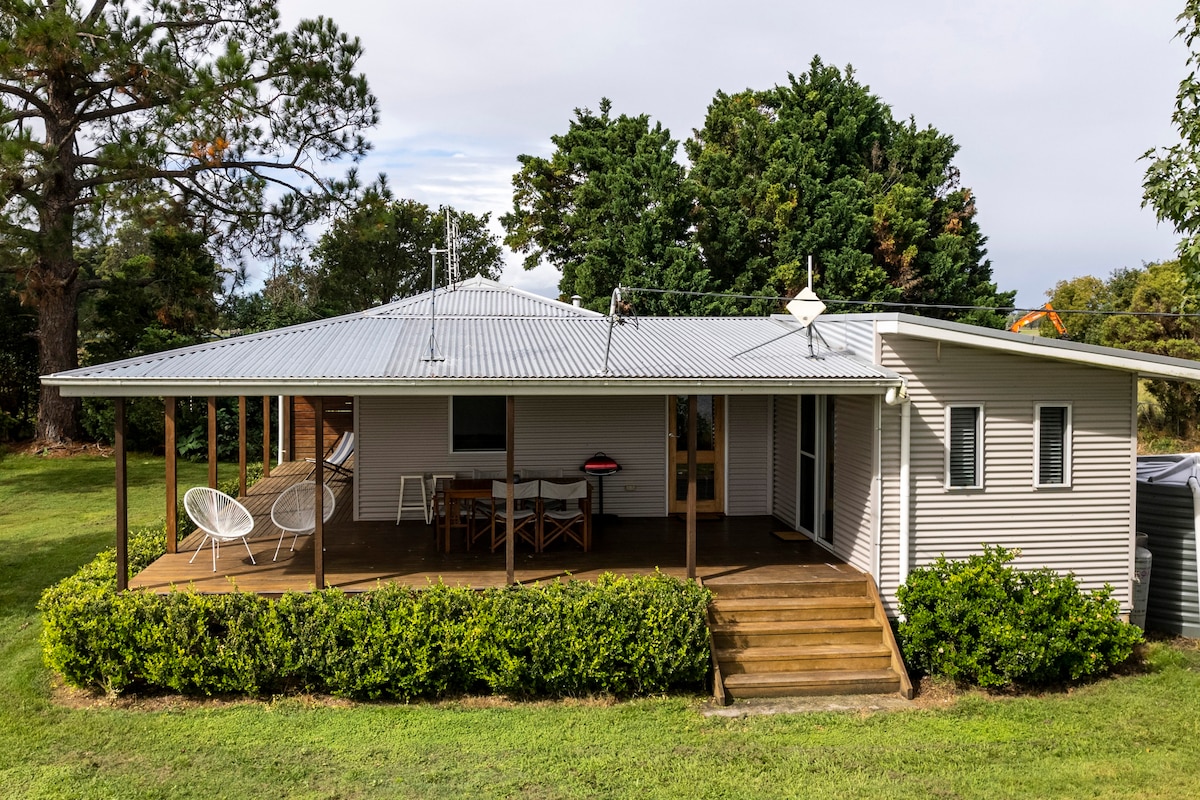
(777, 609)
(731, 635)
(841, 657)
(789, 684)
(840, 585)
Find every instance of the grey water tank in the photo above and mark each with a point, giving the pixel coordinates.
(1167, 507)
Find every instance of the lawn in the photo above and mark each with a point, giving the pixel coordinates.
(1137, 735)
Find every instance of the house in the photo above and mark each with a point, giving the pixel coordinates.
(887, 438)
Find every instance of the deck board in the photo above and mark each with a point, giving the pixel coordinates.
(362, 555)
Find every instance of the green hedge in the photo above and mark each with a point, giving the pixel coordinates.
(620, 635)
(980, 621)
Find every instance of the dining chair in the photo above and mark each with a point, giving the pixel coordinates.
(525, 523)
(562, 518)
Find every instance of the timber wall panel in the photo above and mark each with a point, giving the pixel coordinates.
(339, 419)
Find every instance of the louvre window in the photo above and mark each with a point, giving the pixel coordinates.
(1052, 445)
(964, 448)
(478, 423)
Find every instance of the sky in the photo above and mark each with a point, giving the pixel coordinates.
(1052, 103)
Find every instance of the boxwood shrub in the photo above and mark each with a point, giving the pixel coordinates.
(982, 622)
(619, 635)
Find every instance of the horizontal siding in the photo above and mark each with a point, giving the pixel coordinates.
(746, 448)
(853, 434)
(783, 460)
(411, 435)
(1166, 515)
(1085, 529)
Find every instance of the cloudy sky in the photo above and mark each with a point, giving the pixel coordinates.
(1052, 103)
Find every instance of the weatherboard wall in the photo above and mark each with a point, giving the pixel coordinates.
(747, 445)
(853, 478)
(1085, 529)
(411, 435)
(785, 428)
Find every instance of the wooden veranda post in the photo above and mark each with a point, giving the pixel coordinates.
(172, 475)
(266, 436)
(122, 481)
(319, 502)
(212, 442)
(242, 446)
(510, 545)
(691, 496)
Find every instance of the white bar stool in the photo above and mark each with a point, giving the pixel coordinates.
(422, 506)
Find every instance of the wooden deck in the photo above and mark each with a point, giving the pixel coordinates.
(361, 555)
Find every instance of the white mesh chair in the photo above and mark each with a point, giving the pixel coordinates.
(524, 524)
(294, 511)
(572, 520)
(222, 519)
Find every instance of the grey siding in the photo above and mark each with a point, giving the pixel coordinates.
(410, 435)
(853, 475)
(1166, 515)
(783, 460)
(747, 454)
(1085, 529)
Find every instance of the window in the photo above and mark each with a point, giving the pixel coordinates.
(1052, 445)
(478, 423)
(964, 447)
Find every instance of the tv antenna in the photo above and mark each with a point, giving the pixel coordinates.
(452, 271)
(805, 307)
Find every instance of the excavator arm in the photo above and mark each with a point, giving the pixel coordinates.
(1034, 316)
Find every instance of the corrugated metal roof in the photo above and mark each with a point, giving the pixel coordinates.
(480, 297)
(374, 347)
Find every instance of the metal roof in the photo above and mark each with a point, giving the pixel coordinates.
(486, 335)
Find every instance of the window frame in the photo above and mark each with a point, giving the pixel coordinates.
(450, 427)
(1067, 449)
(979, 446)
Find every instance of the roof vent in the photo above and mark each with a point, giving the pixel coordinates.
(576, 300)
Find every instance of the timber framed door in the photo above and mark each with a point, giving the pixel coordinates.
(710, 454)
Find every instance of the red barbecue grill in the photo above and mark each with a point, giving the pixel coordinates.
(600, 465)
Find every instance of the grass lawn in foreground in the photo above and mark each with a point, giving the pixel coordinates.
(1136, 736)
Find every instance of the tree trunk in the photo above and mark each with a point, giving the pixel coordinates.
(53, 283)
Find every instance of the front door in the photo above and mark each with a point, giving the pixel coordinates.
(710, 455)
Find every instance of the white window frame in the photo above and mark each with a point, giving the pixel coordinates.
(1068, 432)
(979, 479)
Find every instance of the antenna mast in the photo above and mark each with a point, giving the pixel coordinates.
(452, 279)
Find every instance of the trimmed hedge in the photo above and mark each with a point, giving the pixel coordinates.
(620, 635)
(980, 621)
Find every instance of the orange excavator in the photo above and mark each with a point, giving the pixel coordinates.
(1035, 315)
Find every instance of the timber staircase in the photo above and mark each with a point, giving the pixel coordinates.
(810, 636)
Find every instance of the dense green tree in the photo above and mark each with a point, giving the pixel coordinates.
(609, 206)
(1157, 289)
(1172, 182)
(819, 167)
(18, 364)
(113, 104)
(379, 252)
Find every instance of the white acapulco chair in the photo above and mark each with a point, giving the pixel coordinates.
(222, 519)
(294, 511)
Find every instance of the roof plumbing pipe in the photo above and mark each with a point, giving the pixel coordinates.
(898, 395)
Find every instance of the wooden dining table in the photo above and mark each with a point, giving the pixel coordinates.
(468, 490)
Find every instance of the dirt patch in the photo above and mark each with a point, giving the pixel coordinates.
(45, 449)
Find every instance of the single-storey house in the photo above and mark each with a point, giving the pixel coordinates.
(886, 438)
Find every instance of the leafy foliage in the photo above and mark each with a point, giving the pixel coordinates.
(379, 252)
(1172, 182)
(18, 365)
(980, 621)
(610, 206)
(111, 108)
(819, 167)
(620, 635)
(1156, 288)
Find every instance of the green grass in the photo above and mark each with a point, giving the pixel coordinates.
(1135, 736)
